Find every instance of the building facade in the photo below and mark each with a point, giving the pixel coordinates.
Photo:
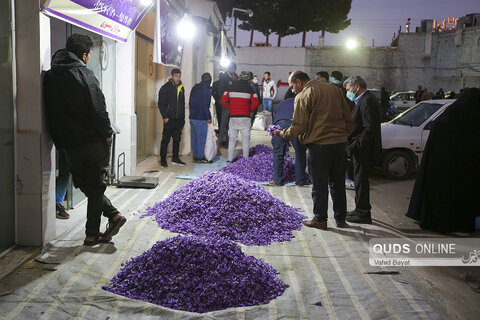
(130, 81)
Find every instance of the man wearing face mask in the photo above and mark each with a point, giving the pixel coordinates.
(364, 144)
(78, 123)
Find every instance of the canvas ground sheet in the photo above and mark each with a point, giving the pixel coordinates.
(329, 267)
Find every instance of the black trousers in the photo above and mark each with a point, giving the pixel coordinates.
(218, 112)
(326, 167)
(88, 165)
(361, 166)
(171, 130)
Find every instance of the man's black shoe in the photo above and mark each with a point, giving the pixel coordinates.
(351, 213)
(365, 219)
(61, 212)
(178, 162)
(303, 183)
(163, 163)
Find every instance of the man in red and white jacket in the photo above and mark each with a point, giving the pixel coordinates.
(240, 99)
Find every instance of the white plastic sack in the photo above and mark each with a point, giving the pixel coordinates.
(258, 124)
(211, 143)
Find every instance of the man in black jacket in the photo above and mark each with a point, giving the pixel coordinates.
(225, 81)
(171, 102)
(79, 125)
(364, 144)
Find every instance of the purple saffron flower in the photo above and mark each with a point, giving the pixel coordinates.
(272, 128)
(222, 204)
(197, 274)
(259, 166)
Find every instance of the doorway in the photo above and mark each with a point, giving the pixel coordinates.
(145, 93)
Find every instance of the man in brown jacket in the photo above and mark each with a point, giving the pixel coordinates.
(322, 121)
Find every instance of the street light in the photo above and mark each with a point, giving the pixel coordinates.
(185, 27)
(352, 44)
(247, 11)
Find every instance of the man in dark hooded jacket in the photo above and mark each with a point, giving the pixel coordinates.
(171, 102)
(79, 125)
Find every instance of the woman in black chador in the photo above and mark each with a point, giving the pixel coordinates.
(446, 196)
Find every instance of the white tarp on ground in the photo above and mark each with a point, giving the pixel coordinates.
(327, 266)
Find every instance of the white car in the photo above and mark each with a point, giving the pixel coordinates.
(403, 100)
(404, 138)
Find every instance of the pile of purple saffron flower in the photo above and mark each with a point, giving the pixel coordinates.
(259, 165)
(272, 128)
(258, 149)
(197, 274)
(222, 204)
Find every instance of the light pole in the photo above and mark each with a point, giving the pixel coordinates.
(407, 26)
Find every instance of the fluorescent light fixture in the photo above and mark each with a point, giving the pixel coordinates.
(145, 2)
(185, 27)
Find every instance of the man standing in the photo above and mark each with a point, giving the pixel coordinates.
(240, 100)
(418, 94)
(385, 104)
(364, 144)
(283, 118)
(225, 81)
(426, 95)
(322, 121)
(269, 92)
(200, 116)
(323, 76)
(171, 102)
(256, 89)
(79, 125)
(217, 97)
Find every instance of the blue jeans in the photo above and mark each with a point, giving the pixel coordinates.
(62, 179)
(199, 137)
(279, 146)
(300, 161)
(267, 105)
(326, 164)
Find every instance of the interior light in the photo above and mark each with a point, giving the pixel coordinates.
(185, 27)
(145, 2)
(224, 62)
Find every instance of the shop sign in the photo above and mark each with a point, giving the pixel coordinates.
(115, 19)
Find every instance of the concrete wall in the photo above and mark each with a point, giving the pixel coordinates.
(278, 61)
(432, 60)
(35, 162)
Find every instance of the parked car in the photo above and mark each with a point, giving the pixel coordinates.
(403, 100)
(377, 93)
(404, 138)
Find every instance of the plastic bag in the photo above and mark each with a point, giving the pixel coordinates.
(211, 143)
(259, 123)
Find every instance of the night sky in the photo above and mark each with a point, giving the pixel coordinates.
(377, 19)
